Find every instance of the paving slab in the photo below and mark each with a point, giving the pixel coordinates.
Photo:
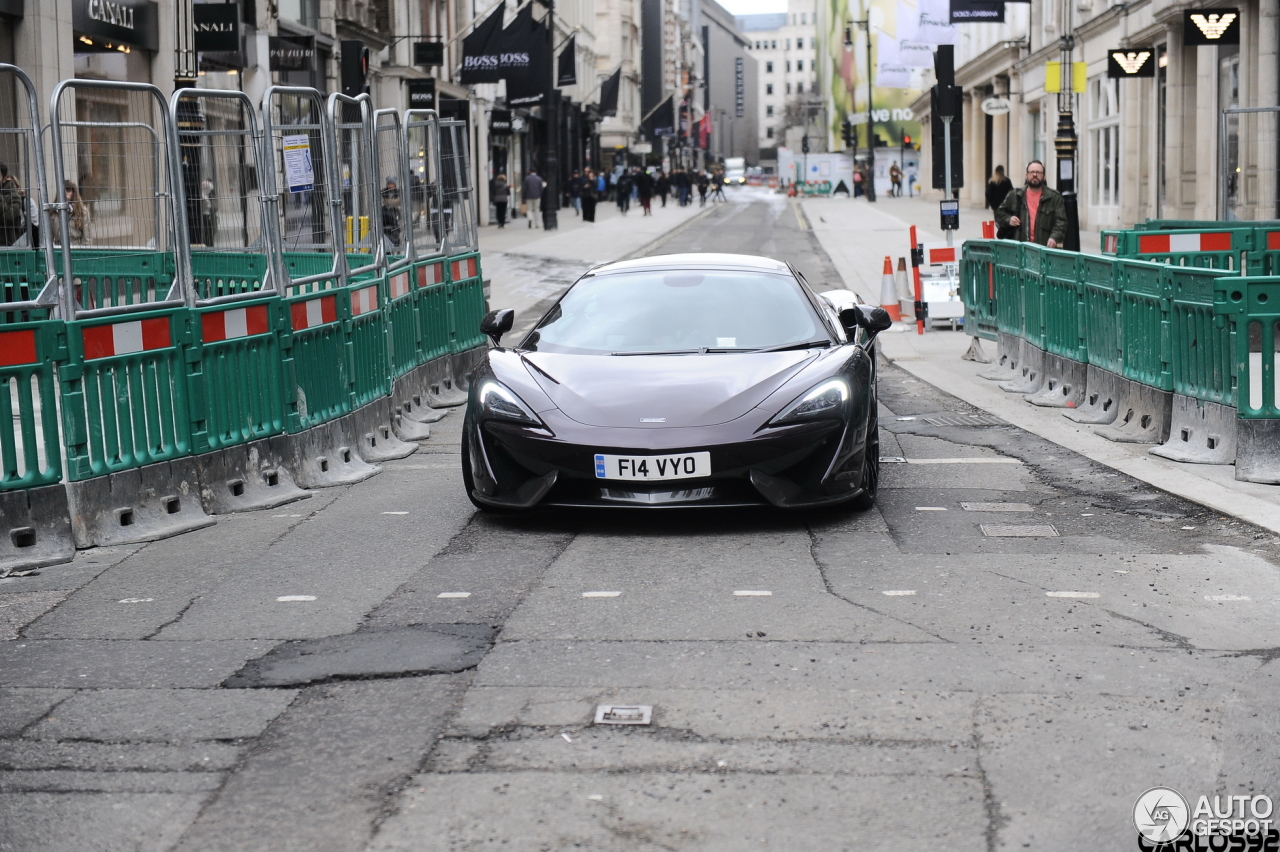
(163, 715)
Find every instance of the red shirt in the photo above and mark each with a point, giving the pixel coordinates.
(1033, 206)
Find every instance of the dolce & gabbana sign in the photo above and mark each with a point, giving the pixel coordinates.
(129, 22)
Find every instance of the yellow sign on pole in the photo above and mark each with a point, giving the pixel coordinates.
(1053, 77)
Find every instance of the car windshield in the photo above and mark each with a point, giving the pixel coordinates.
(678, 311)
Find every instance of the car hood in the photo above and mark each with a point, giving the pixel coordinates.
(682, 390)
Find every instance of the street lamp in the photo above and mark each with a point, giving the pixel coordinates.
(1064, 143)
(865, 25)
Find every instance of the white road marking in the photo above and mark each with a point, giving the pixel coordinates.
(286, 516)
(930, 509)
(964, 461)
(566, 737)
(1188, 528)
(601, 594)
(749, 593)
(454, 595)
(292, 598)
(1086, 514)
(897, 593)
(136, 600)
(395, 513)
(906, 418)
(1227, 598)
(1073, 594)
(596, 798)
(1118, 571)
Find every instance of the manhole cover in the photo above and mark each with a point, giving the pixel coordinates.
(963, 420)
(624, 714)
(997, 507)
(1019, 530)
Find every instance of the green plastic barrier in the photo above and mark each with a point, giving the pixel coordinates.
(433, 292)
(978, 288)
(1254, 303)
(314, 356)
(402, 320)
(1008, 258)
(30, 449)
(1064, 314)
(1145, 330)
(1033, 294)
(116, 278)
(466, 301)
(367, 338)
(22, 277)
(1218, 247)
(124, 392)
(227, 273)
(1265, 257)
(234, 376)
(1203, 349)
(1101, 307)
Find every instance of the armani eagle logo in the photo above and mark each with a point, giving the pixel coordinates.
(1132, 61)
(1213, 26)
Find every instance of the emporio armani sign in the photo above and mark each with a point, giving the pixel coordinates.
(1210, 26)
(1131, 62)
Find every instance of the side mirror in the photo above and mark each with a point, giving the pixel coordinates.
(869, 317)
(497, 323)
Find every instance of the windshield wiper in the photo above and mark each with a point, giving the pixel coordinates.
(663, 352)
(808, 344)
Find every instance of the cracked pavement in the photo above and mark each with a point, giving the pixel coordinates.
(1011, 692)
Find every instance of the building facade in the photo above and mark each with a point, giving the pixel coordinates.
(785, 48)
(730, 91)
(1148, 147)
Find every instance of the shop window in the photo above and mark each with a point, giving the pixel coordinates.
(768, 68)
(768, 111)
(768, 133)
(768, 88)
(1104, 133)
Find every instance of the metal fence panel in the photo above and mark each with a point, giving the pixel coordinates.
(459, 214)
(355, 178)
(426, 195)
(28, 288)
(120, 233)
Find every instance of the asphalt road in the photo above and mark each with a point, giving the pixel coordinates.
(1002, 655)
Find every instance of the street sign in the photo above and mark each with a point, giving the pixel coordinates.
(950, 214)
(429, 53)
(1131, 62)
(422, 93)
(996, 106)
(1201, 27)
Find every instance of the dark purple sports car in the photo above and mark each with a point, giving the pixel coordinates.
(679, 380)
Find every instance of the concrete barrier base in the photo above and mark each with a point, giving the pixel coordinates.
(36, 528)
(144, 504)
(1008, 356)
(1064, 381)
(1030, 373)
(325, 455)
(1101, 397)
(1200, 433)
(439, 388)
(407, 429)
(378, 441)
(1258, 451)
(408, 398)
(246, 478)
(975, 353)
(1142, 415)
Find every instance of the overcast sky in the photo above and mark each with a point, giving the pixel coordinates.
(753, 7)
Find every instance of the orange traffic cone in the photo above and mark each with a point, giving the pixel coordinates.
(889, 291)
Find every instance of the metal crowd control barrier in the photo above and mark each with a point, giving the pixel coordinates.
(1026, 313)
(1062, 315)
(123, 391)
(1101, 309)
(357, 178)
(1007, 309)
(1210, 247)
(980, 289)
(466, 285)
(33, 503)
(234, 366)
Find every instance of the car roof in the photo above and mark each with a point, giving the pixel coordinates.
(695, 260)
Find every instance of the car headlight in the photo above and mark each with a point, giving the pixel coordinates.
(823, 400)
(498, 402)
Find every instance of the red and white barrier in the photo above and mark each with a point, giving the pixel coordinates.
(313, 312)
(1171, 243)
(126, 338)
(237, 322)
(364, 300)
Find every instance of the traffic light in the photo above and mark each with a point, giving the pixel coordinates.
(846, 133)
(804, 144)
(906, 140)
(354, 68)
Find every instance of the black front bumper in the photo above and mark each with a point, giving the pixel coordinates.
(810, 464)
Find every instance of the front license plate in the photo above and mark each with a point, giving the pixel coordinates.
(683, 466)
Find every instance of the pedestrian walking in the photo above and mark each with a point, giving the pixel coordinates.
(644, 191)
(857, 181)
(703, 183)
(392, 219)
(683, 185)
(575, 193)
(533, 186)
(998, 188)
(662, 186)
(895, 181)
(501, 198)
(13, 208)
(1035, 213)
(718, 180)
(622, 193)
(588, 196)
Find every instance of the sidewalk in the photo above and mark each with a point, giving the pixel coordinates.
(858, 235)
(527, 266)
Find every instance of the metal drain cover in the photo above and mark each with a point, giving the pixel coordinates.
(1019, 530)
(997, 507)
(624, 714)
(963, 420)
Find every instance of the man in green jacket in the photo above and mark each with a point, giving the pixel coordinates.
(1035, 212)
